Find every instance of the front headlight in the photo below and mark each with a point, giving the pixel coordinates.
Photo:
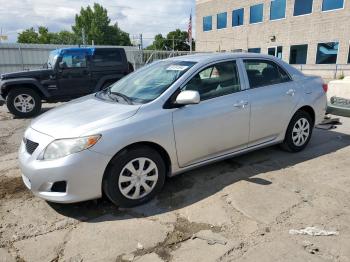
(64, 147)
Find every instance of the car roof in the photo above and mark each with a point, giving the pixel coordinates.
(207, 58)
(85, 50)
(212, 57)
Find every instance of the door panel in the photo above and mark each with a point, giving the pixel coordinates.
(273, 96)
(211, 128)
(271, 109)
(74, 79)
(219, 124)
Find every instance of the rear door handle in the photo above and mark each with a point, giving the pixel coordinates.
(241, 104)
(291, 92)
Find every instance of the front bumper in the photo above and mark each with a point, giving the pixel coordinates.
(82, 172)
(338, 110)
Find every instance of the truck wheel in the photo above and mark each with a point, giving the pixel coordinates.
(23, 102)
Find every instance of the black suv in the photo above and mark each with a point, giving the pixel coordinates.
(69, 73)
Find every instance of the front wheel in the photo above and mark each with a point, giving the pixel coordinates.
(23, 102)
(299, 132)
(134, 176)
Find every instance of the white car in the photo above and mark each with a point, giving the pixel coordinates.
(338, 97)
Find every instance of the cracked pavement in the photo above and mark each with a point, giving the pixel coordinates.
(236, 210)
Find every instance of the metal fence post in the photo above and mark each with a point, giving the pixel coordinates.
(336, 71)
(21, 56)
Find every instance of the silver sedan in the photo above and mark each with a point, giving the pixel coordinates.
(166, 118)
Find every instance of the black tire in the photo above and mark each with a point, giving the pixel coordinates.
(27, 92)
(111, 181)
(289, 144)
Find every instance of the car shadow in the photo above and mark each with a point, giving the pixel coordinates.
(193, 186)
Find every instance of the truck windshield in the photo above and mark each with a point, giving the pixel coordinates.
(52, 59)
(151, 81)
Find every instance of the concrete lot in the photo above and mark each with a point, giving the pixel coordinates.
(237, 210)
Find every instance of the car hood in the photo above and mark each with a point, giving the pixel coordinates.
(27, 74)
(82, 116)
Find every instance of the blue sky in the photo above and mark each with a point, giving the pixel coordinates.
(149, 17)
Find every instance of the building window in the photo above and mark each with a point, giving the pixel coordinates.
(303, 7)
(254, 50)
(277, 9)
(275, 51)
(207, 23)
(222, 20)
(327, 53)
(256, 13)
(349, 56)
(238, 17)
(332, 4)
(298, 54)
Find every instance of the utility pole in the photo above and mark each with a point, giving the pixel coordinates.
(83, 36)
(141, 42)
(174, 43)
(141, 47)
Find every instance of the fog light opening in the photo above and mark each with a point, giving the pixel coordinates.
(59, 187)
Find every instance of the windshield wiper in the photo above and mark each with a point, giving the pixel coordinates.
(125, 98)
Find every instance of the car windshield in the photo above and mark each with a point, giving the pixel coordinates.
(52, 59)
(150, 82)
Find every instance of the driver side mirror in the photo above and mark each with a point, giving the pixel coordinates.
(62, 65)
(188, 97)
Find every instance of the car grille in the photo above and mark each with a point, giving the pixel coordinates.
(30, 145)
(340, 101)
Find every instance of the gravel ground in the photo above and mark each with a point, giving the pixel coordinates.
(237, 210)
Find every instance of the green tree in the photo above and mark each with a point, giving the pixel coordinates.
(93, 21)
(177, 40)
(159, 43)
(95, 24)
(43, 36)
(65, 38)
(28, 36)
(116, 36)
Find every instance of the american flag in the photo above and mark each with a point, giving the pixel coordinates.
(190, 30)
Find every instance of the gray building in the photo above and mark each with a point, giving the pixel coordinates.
(298, 31)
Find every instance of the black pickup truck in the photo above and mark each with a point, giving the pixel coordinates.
(69, 73)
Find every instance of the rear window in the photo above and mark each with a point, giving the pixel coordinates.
(105, 57)
(263, 73)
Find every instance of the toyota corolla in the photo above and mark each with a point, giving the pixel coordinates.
(166, 118)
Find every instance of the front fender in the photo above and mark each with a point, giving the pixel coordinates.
(6, 84)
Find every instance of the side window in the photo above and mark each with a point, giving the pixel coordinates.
(217, 80)
(263, 73)
(107, 57)
(74, 60)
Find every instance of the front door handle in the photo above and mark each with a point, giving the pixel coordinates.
(291, 92)
(241, 104)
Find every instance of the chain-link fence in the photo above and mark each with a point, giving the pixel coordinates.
(18, 57)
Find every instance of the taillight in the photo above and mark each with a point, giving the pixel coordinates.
(325, 88)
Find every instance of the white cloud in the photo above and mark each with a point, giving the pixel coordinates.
(149, 17)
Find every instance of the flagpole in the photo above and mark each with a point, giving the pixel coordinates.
(190, 31)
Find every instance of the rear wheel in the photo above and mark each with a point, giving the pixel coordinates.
(299, 132)
(23, 102)
(134, 177)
